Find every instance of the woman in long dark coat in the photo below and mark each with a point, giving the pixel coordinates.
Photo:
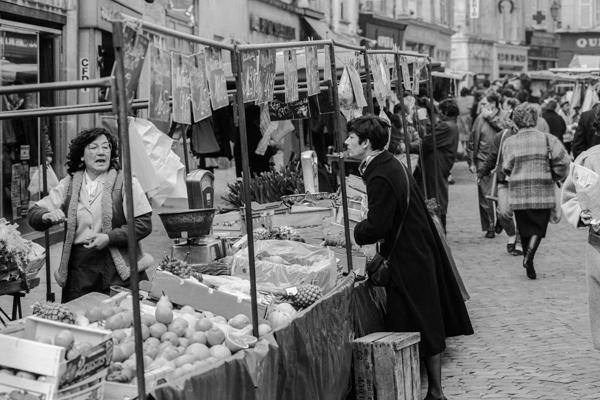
(446, 137)
(422, 294)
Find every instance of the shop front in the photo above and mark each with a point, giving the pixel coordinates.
(29, 49)
(427, 38)
(386, 32)
(543, 50)
(508, 60)
(581, 47)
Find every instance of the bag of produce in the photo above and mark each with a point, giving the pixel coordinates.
(285, 263)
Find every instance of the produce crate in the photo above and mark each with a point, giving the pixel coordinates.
(73, 379)
(126, 391)
(200, 296)
(386, 366)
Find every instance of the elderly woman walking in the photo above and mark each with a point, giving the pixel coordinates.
(534, 162)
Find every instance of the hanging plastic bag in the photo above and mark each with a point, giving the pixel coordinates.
(36, 180)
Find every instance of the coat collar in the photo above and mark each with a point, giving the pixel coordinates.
(380, 159)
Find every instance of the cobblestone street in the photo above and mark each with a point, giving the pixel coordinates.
(531, 339)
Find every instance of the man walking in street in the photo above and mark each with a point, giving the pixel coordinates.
(483, 135)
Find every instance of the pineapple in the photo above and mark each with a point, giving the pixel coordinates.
(54, 312)
(303, 296)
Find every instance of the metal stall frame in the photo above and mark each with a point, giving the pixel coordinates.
(328, 46)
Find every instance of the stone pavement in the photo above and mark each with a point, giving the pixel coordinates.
(532, 338)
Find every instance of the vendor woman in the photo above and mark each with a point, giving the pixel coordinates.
(90, 201)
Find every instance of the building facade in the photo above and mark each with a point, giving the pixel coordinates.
(491, 37)
(579, 31)
(421, 26)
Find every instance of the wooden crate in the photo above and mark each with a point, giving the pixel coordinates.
(386, 366)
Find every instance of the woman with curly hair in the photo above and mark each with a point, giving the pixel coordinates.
(90, 201)
(533, 161)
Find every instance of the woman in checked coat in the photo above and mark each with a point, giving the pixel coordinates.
(534, 162)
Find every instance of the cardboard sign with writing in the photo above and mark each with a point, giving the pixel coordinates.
(85, 366)
(250, 87)
(312, 70)
(160, 85)
(200, 97)
(181, 89)
(216, 78)
(266, 75)
(327, 65)
(290, 75)
(280, 110)
(134, 51)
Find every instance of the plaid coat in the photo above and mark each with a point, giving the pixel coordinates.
(528, 156)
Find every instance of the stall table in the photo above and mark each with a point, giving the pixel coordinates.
(16, 289)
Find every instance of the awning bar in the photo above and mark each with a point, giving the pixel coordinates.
(39, 87)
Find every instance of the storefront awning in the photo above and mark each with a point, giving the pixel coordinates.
(585, 61)
(321, 30)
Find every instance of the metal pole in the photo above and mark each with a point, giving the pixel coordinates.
(185, 149)
(432, 117)
(284, 45)
(342, 159)
(131, 247)
(400, 92)
(44, 192)
(39, 87)
(237, 62)
(368, 80)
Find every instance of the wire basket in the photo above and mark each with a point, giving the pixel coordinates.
(188, 223)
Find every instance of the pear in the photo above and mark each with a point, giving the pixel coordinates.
(163, 313)
(164, 300)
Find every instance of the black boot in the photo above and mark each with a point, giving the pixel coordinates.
(532, 246)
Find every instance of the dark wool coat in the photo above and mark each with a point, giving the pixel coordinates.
(446, 136)
(556, 124)
(422, 295)
(585, 135)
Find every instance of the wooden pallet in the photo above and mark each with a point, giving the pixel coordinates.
(386, 366)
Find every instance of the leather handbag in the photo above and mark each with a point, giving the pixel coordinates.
(378, 268)
(493, 193)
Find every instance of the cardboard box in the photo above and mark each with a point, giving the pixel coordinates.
(22, 351)
(201, 297)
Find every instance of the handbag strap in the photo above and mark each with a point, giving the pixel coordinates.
(404, 214)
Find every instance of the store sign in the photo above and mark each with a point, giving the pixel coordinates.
(543, 52)
(272, 28)
(511, 58)
(84, 71)
(385, 41)
(587, 42)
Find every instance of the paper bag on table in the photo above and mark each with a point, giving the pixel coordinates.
(587, 187)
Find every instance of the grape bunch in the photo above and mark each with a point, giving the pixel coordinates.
(179, 268)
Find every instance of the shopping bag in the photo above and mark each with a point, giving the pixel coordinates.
(493, 192)
(556, 211)
(36, 183)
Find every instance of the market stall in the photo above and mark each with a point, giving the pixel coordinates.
(227, 345)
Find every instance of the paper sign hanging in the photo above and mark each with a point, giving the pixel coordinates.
(280, 111)
(327, 64)
(181, 90)
(290, 75)
(417, 66)
(135, 46)
(266, 75)
(405, 73)
(385, 75)
(200, 96)
(216, 78)
(160, 85)
(378, 89)
(249, 76)
(312, 70)
(357, 88)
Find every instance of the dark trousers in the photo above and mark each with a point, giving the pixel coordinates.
(91, 271)
(486, 206)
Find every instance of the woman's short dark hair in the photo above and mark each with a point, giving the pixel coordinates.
(513, 102)
(493, 98)
(370, 127)
(78, 144)
(464, 92)
(448, 107)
